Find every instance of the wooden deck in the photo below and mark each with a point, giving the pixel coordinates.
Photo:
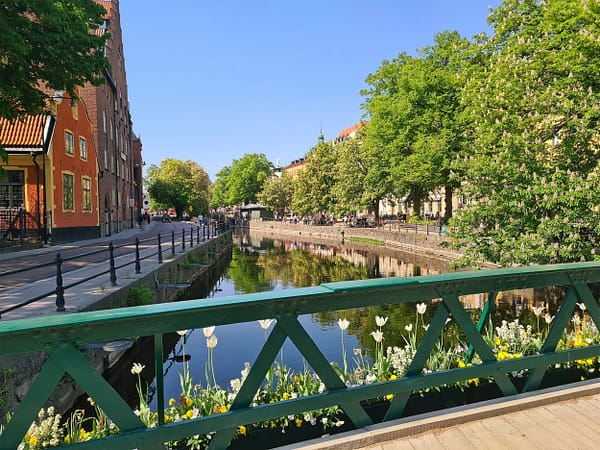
(567, 417)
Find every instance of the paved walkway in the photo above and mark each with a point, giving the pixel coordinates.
(87, 293)
(566, 417)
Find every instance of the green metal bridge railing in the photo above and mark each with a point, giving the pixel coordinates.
(62, 336)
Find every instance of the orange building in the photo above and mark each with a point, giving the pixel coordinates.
(50, 185)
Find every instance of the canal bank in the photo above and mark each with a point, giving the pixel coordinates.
(410, 239)
(161, 282)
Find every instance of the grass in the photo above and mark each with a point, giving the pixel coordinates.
(366, 240)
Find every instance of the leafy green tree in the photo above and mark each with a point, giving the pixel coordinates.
(313, 185)
(242, 181)
(47, 45)
(351, 168)
(414, 111)
(179, 184)
(532, 173)
(277, 193)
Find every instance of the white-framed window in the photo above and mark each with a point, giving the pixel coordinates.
(68, 192)
(69, 143)
(83, 152)
(86, 201)
(12, 189)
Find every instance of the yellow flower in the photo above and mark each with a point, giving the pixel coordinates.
(33, 440)
(474, 381)
(298, 422)
(171, 401)
(242, 430)
(223, 409)
(461, 364)
(286, 396)
(393, 377)
(166, 418)
(389, 396)
(188, 402)
(189, 414)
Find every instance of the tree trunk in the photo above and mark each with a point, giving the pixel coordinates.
(449, 191)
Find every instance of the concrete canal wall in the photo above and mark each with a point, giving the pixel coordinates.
(403, 238)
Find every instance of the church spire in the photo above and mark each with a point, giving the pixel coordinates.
(321, 139)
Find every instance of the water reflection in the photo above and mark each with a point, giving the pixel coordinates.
(263, 263)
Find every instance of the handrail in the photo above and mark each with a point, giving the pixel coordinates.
(59, 260)
(62, 336)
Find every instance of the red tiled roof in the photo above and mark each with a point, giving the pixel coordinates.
(345, 132)
(28, 132)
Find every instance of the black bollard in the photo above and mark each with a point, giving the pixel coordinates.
(138, 268)
(60, 290)
(191, 237)
(113, 272)
(183, 240)
(160, 259)
(172, 242)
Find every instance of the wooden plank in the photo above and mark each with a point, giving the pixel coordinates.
(505, 434)
(480, 436)
(453, 438)
(559, 421)
(426, 440)
(548, 432)
(535, 437)
(397, 445)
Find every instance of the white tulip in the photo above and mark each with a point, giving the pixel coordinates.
(211, 342)
(537, 310)
(377, 335)
(182, 332)
(208, 331)
(265, 324)
(137, 368)
(343, 324)
(380, 321)
(421, 308)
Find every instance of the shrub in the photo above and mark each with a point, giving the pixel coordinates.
(140, 294)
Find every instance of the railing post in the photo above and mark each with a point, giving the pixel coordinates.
(191, 237)
(113, 272)
(138, 268)
(60, 290)
(198, 235)
(183, 240)
(22, 226)
(160, 258)
(172, 242)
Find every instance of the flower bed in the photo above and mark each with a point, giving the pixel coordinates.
(509, 340)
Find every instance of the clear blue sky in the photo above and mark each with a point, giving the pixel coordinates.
(212, 80)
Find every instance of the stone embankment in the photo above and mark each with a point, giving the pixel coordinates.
(406, 238)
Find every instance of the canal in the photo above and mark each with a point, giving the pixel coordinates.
(260, 263)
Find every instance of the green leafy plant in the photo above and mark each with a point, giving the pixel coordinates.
(140, 294)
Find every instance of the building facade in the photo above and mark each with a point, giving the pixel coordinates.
(110, 114)
(50, 185)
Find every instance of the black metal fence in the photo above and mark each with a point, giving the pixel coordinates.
(19, 228)
(160, 244)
